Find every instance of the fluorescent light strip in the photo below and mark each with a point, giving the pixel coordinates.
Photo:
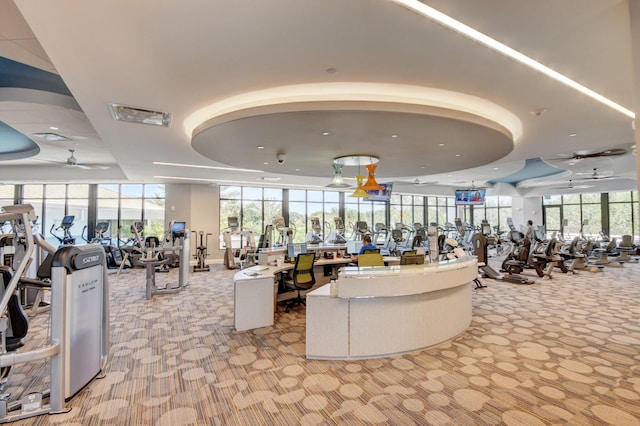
(484, 39)
(258, 183)
(195, 166)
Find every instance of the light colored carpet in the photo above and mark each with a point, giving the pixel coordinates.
(563, 351)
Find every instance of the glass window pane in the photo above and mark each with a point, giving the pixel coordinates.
(108, 191)
(572, 214)
(154, 217)
(228, 208)
(78, 191)
(331, 197)
(418, 214)
(54, 212)
(491, 201)
(314, 196)
(56, 191)
(79, 208)
(108, 212)
(230, 192)
(592, 214)
(620, 219)
(366, 212)
(571, 199)
(619, 196)
(552, 199)
(591, 198)
(504, 201)
(249, 193)
(33, 191)
(350, 217)
(131, 190)
(297, 195)
(395, 199)
(6, 192)
(298, 220)
(154, 191)
(252, 216)
(274, 194)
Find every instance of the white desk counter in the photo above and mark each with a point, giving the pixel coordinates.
(377, 312)
(255, 292)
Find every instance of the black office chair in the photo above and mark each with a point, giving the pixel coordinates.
(302, 278)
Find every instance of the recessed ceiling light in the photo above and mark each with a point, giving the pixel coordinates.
(457, 155)
(573, 134)
(53, 128)
(440, 144)
(394, 136)
(423, 167)
(297, 170)
(572, 164)
(538, 112)
(325, 133)
(260, 147)
(265, 163)
(331, 70)
(473, 34)
(608, 151)
(449, 175)
(496, 168)
(139, 115)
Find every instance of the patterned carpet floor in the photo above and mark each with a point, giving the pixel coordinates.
(564, 351)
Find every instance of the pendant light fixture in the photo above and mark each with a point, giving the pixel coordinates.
(371, 184)
(338, 180)
(359, 192)
(359, 160)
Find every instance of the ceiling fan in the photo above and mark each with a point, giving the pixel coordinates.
(72, 161)
(572, 186)
(418, 182)
(596, 175)
(583, 155)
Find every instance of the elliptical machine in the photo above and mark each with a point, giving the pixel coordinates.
(65, 226)
(201, 253)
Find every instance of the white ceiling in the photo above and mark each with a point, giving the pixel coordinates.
(191, 59)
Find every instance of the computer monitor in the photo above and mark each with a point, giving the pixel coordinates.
(67, 221)
(178, 228)
(294, 249)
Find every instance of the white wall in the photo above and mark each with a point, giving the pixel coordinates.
(198, 206)
(634, 13)
(525, 208)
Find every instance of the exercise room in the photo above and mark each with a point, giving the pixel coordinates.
(390, 212)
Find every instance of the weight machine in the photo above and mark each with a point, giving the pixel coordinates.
(201, 253)
(315, 235)
(337, 235)
(79, 345)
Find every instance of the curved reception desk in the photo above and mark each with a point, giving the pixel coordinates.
(384, 311)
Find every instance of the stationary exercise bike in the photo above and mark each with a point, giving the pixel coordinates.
(65, 225)
(201, 253)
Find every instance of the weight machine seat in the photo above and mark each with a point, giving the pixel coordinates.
(17, 318)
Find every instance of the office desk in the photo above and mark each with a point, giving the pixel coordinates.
(378, 312)
(255, 291)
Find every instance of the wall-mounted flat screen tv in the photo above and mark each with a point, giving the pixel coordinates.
(470, 197)
(382, 194)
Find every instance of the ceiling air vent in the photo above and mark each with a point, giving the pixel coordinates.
(139, 115)
(52, 137)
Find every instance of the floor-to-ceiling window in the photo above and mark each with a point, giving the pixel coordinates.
(495, 210)
(624, 214)
(253, 207)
